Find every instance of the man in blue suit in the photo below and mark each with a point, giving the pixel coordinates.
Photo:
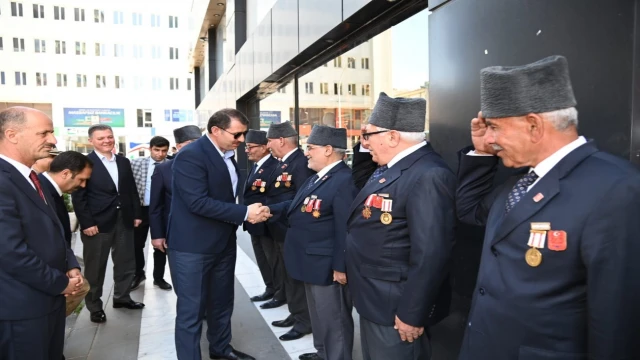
(315, 242)
(202, 235)
(400, 235)
(559, 272)
(37, 267)
(160, 204)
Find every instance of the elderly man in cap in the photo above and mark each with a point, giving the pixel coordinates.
(559, 272)
(400, 233)
(282, 185)
(315, 243)
(160, 204)
(255, 192)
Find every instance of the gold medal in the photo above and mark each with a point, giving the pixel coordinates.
(386, 218)
(278, 184)
(316, 213)
(304, 208)
(533, 257)
(287, 184)
(253, 188)
(366, 212)
(262, 189)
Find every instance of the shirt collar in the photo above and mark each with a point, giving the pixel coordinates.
(547, 164)
(22, 168)
(327, 168)
(263, 160)
(103, 158)
(224, 155)
(404, 153)
(284, 158)
(55, 184)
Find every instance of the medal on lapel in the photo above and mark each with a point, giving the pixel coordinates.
(386, 217)
(287, 179)
(278, 181)
(316, 208)
(537, 238)
(366, 212)
(253, 187)
(309, 207)
(263, 186)
(304, 204)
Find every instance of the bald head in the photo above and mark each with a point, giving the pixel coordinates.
(26, 134)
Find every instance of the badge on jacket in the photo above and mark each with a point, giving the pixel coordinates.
(537, 238)
(312, 205)
(379, 201)
(259, 184)
(284, 177)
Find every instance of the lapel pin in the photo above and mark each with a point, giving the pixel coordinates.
(538, 197)
(382, 180)
(324, 178)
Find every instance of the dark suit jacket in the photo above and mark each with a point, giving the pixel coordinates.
(297, 167)
(363, 166)
(98, 203)
(34, 256)
(314, 247)
(61, 208)
(160, 199)
(580, 303)
(401, 268)
(255, 196)
(204, 215)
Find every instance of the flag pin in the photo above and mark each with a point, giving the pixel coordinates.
(382, 180)
(538, 197)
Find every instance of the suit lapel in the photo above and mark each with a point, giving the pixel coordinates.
(303, 192)
(98, 165)
(24, 186)
(213, 155)
(548, 187)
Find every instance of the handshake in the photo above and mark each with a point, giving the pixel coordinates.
(258, 213)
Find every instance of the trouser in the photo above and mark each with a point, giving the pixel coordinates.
(264, 249)
(330, 309)
(296, 296)
(96, 255)
(140, 235)
(40, 338)
(203, 282)
(381, 342)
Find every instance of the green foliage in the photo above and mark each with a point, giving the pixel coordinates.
(67, 202)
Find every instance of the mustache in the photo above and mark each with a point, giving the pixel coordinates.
(496, 147)
(48, 145)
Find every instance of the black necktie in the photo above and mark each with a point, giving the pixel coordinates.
(520, 189)
(312, 181)
(254, 169)
(376, 174)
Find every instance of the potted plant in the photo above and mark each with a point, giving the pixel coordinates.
(73, 219)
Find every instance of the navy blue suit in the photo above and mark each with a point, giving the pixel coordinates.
(60, 207)
(159, 208)
(255, 196)
(202, 247)
(579, 303)
(34, 259)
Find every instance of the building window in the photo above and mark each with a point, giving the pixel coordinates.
(308, 87)
(337, 62)
(351, 63)
(21, 78)
(155, 20)
(41, 79)
(156, 83)
(40, 46)
(16, 9)
(156, 52)
(189, 84)
(119, 82)
(61, 80)
(137, 19)
(81, 80)
(324, 88)
(118, 50)
(337, 89)
(81, 48)
(173, 83)
(351, 88)
(144, 118)
(101, 81)
(173, 53)
(18, 45)
(118, 18)
(1, 44)
(61, 47)
(58, 12)
(101, 49)
(366, 90)
(173, 22)
(98, 16)
(137, 51)
(38, 11)
(2, 81)
(365, 63)
(78, 14)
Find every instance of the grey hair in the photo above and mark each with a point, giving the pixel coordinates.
(12, 116)
(562, 119)
(292, 140)
(340, 152)
(99, 127)
(412, 137)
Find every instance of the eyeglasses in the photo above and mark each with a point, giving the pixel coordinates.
(235, 135)
(252, 147)
(367, 135)
(311, 147)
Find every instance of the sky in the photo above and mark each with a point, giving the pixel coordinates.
(411, 52)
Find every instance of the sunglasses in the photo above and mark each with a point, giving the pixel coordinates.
(367, 135)
(235, 135)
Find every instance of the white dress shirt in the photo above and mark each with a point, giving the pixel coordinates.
(22, 169)
(406, 152)
(284, 158)
(226, 156)
(549, 163)
(111, 165)
(55, 185)
(262, 161)
(326, 169)
(147, 185)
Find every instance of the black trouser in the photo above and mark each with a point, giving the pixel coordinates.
(140, 235)
(264, 249)
(296, 295)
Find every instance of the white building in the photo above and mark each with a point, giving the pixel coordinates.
(122, 63)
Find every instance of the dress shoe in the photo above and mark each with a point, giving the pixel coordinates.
(272, 304)
(288, 322)
(162, 284)
(98, 316)
(132, 305)
(262, 297)
(292, 334)
(137, 280)
(233, 355)
(309, 356)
